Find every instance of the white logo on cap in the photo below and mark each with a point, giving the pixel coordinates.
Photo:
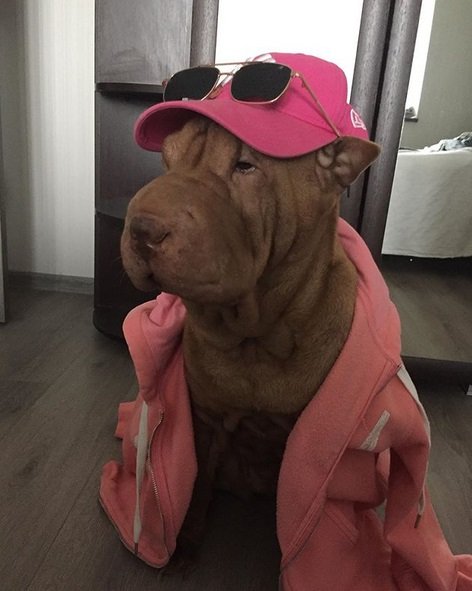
(356, 120)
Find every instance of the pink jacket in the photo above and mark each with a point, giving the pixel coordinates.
(361, 441)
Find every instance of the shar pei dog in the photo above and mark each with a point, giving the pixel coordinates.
(270, 364)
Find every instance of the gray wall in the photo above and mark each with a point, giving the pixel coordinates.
(47, 111)
(446, 101)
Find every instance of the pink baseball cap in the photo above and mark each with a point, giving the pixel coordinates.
(291, 126)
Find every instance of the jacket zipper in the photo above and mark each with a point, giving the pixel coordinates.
(153, 476)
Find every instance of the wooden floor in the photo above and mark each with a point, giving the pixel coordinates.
(434, 299)
(60, 384)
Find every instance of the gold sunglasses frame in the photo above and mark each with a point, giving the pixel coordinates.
(218, 85)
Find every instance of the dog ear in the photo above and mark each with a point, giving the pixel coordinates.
(347, 157)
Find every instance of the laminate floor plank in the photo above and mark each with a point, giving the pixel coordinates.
(434, 302)
(45, 465)
(450, 469)
(44, 335)
(51, 451)
(16, 397)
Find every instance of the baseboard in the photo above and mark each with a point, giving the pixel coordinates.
(49, 282)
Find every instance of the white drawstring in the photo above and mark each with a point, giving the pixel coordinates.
(141, 454)
(410, 386)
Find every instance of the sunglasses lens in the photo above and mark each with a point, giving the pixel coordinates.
(193, 83)
(260, 82)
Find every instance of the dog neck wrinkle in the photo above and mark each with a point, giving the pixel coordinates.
(299, 282)
(301, 336)
(307, 301)
(266, 316)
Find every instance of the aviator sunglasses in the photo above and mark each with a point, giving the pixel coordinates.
(257, 83)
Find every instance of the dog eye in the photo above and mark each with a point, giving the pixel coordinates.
(244, 167)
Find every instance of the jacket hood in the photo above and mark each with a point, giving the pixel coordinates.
(382, 315)
(153, 333)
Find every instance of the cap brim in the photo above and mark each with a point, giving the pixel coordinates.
(261, 127)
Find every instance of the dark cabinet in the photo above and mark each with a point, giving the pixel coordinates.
(144, 41)
(138, 44)
(121, 169)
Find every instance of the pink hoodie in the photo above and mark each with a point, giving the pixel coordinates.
(362, 440)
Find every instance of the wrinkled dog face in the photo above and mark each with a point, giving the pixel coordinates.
(209, 228)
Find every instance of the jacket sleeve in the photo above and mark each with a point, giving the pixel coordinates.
(421, 558)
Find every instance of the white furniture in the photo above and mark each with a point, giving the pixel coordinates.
(430, 212)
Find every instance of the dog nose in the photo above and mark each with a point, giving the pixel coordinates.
(147, 233)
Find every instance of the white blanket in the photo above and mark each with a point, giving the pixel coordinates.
(430, 212)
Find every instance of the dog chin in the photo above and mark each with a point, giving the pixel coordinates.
(202, 294)
(144, 282)
(204, 291)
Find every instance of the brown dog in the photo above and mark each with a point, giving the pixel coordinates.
(278, 369)
(250, 244)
